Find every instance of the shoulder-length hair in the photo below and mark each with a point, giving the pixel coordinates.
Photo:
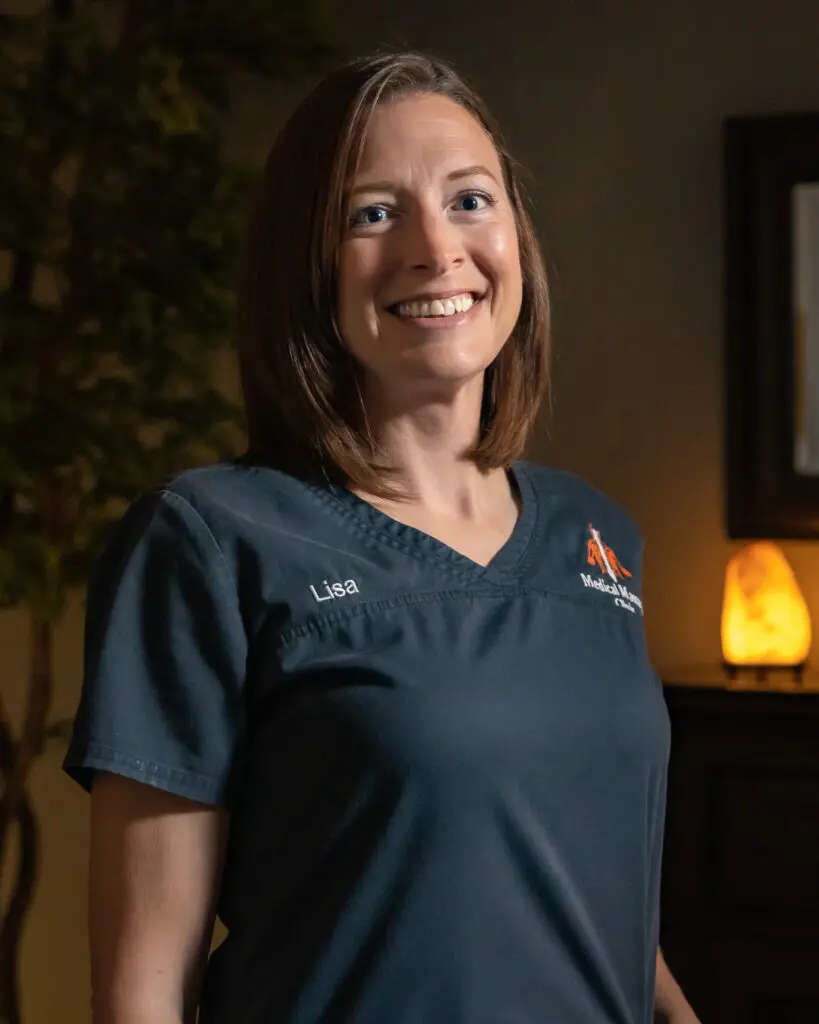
(300, 384)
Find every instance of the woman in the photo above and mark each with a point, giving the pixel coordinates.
(378, 693)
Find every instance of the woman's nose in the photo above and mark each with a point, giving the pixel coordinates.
(433, 242)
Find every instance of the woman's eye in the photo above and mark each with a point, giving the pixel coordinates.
(471, 202)
(369, 215)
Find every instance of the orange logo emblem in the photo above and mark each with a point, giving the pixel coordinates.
(604, 558)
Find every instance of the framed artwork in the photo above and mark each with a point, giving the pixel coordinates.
(771, 366)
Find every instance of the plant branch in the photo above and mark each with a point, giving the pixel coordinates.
(8, 757)
(25, 751)
(22, 892)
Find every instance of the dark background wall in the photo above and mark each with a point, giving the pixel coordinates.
(615, 108)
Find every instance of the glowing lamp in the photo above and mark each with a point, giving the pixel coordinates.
(765, 621)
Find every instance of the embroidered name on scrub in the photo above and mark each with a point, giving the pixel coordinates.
(332, 591)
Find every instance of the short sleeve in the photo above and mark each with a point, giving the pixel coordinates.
(165, 651)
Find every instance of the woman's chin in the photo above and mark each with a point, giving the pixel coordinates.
(448, 356)
(428, 361)
(419, 382)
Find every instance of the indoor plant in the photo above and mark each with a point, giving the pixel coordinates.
(119, 222)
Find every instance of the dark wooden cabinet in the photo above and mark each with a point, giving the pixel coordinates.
(740, 896)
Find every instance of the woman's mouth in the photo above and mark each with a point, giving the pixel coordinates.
(436, 309)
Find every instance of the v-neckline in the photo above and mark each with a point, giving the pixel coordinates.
(505, 563)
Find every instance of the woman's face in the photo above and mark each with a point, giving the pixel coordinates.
(429, 270)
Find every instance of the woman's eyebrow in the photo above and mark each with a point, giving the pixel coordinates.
(372, 186)
(473, 170)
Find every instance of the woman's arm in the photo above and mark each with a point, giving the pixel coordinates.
(670, 1005)
(154, 874)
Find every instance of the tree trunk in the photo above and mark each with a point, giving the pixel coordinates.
(16, 760)
(26, 750)
(13, 915)
(17, 756)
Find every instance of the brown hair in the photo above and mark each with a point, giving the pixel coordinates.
(299, 382)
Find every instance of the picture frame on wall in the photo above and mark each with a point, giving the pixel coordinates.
(771, 365)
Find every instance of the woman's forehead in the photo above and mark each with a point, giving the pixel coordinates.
(431, 130)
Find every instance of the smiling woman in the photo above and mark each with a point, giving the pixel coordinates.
(378, 692)
(400, 178)
(429, 279)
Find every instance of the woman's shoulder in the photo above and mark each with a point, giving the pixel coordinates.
(570, 489)
(231, 511)
(235, 486)
(239, 498)
(588, 540)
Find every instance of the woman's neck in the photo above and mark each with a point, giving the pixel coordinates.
(426, 448)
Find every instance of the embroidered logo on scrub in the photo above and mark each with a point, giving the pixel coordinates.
(607, 564)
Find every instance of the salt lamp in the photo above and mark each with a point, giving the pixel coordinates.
(765, 620)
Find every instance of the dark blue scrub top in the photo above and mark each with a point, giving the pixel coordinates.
(447, 781)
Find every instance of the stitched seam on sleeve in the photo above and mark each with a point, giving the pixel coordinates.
(146, 767)
(226, 581)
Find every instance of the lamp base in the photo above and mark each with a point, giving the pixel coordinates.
(762, 673)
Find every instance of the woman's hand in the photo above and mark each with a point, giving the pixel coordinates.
(670, 1005)
(683, 1016)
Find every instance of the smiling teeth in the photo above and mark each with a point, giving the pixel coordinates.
(437, 307)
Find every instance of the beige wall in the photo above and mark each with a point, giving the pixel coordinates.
(615, 108)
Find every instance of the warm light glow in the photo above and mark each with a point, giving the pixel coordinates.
(765, 620)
